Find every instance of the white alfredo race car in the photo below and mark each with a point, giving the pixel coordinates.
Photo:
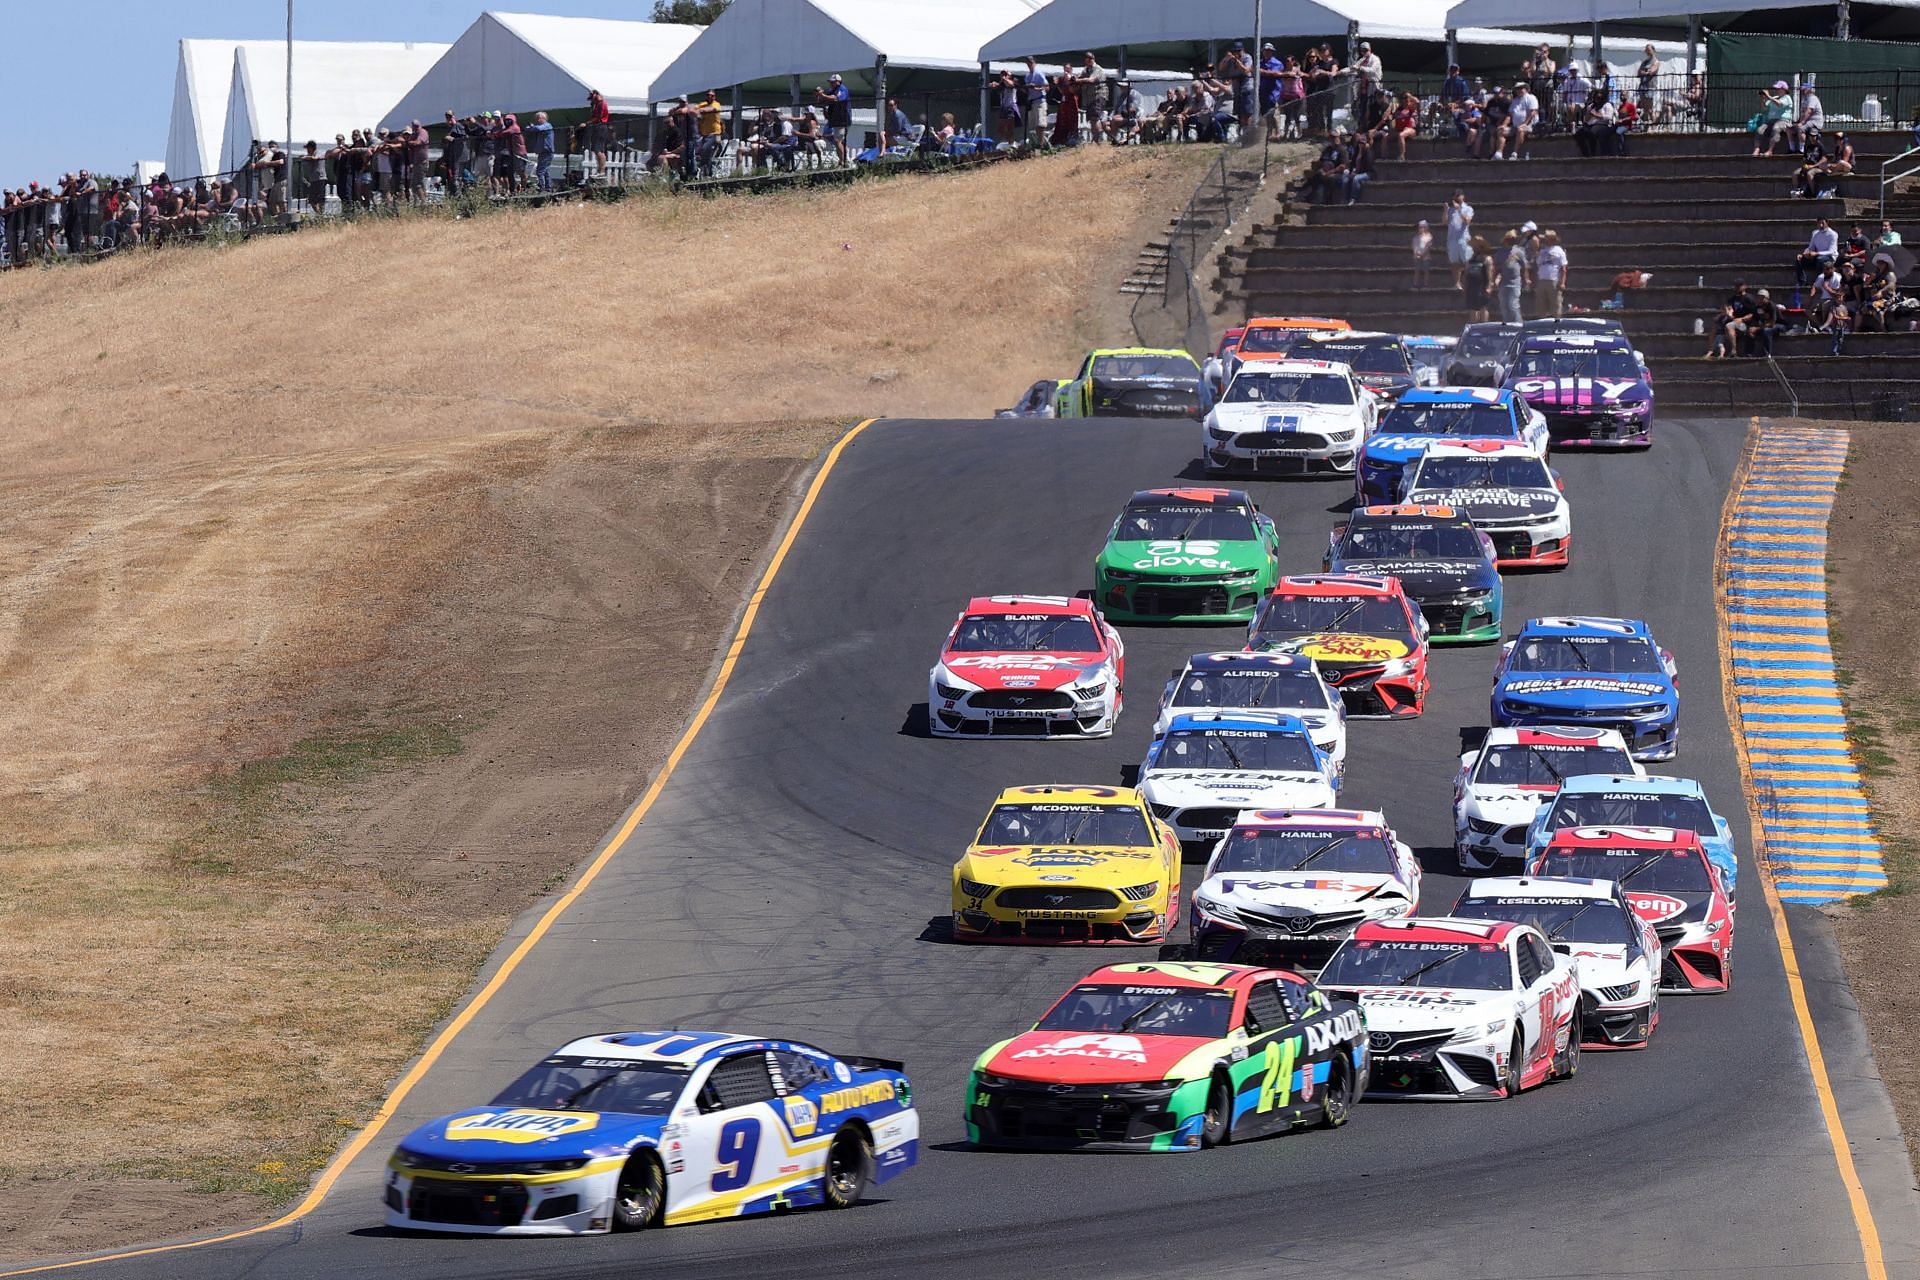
(1511, 775)
(1287, 683)
(1288, 417)
(1592, 921)
(1207, 767)
(1288, 886)
(1467, 1009)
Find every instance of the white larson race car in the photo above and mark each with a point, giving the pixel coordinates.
(1288, 417)
(1035, 666)
(1209, 766)
(1460, 1008)
(1511, 775)
(1287, 886)
(1289, 683)
(1594, 922)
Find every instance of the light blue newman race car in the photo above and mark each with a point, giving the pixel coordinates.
(1626, 800)
(633, 1129)
(1426, 416)
(1604, 673)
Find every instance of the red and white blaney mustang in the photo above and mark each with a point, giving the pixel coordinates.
(1027, 666)
(1460, 1009)
(1670, 883)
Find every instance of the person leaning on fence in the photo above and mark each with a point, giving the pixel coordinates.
(1033, 104)
(1321, 68)
(1235, 71)
(453, 144)
(540, 135)
(313, 177)
(713, 130)
(1292, 99)
(837, 104)
(1091, 83)
(599, 130)
(419, 142)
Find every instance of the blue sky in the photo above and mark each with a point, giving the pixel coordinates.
(114, 111)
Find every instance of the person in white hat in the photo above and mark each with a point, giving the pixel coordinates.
(1775, 108)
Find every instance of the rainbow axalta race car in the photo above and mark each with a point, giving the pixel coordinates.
(1670, 884)
(1134, 382)
(1506, 490)
(1441, 560)
(1367, 638)
(1592, 921)
(1208, 766)
(1423, 418)
(1591, 390)
(1623, 800)
(1460, 1009)
(1068, 864)
(1603, 672)
(1186, 555)
(1505, 782)
(1031, 666)
(1272, 682)
(634, 1129)
(1288, 886)
(1171, 1057)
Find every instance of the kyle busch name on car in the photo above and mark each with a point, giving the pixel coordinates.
(1322, 1036)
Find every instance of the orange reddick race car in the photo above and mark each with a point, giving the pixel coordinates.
(1368, 638)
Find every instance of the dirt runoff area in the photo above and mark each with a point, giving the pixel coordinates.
(343, 616)
(1873, 575)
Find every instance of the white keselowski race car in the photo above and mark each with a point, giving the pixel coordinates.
(1504, 782)
(1288, 417)
(1592, 921)
(1209, 766)
(1032, 666)
(1468, 1009)
(1288, 886)
(1286, 683)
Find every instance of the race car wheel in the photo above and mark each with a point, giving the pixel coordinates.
(1515, 1057)
(848, 1160)
(1338, 1099)
(1569, 1064)
(640, 1194)
(1216, 1123)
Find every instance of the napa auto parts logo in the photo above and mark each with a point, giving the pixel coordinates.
(1172, 554)
(519, 1127)
(1104, 1048)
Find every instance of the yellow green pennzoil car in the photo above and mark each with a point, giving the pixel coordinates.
(1134, 382)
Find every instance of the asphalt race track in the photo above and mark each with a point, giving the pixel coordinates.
(786, 881)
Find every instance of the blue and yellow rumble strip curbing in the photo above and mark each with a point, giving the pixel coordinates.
(1813, 811)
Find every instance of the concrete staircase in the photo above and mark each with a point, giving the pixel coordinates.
(1696, 211)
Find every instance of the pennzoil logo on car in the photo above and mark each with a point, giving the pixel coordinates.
(519, 1127)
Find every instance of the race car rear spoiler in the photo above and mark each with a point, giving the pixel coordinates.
(873, 1064)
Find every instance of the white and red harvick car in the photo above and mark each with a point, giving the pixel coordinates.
(1029, 666)
(1460, 1009)
(1287, 886)
(1503, 783)
(1592, 921)
(1670, 883)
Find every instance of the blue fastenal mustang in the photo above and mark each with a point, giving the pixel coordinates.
(1425, 416)
(1209, 766)
(1603, 672)
(1626, 800)
(622, 1131)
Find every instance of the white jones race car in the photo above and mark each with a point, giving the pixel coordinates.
(1288, 417)
(1504, 783)
(1287, 683)
(1208, 767)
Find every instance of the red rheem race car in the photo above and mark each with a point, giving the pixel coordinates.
(1368, 638)
(1027, 666)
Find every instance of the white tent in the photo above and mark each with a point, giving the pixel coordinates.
(201, 83)
(523, 62)
(1566, 13)
(761, 43)
(338, 86)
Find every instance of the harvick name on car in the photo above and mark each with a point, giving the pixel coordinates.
(1171, 1057)
(1369, 640)
(633, 1129)
(1186, 555)
(1210, 765)
(1506, 490)
(1287, 417)
(1278, 682)
(1624, 800)
(1036, 666)
(1134, 382)
(1441, 560)
(1605, 672)
(1505, 782)
(1591, 390)
(1424, 418)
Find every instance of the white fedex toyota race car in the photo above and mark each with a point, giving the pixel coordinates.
(1210, 765)
(1288, 683)
(1504, 782)
(1594, 922)
(1288, 417)
(1287, 886)
(1033, 666)
(1460, 1008)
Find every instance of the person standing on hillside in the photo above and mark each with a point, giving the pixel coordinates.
(1511, 264)
(1422, 253)
(1236, 69)
(1459, 216)
(599, 130)
(713, 129)
(1035, 104)
(1476, 276)
(1007, 96)
(1368, 73)
(837, 105)
(453, 144)
(1550, 275)
(541, 133)
(1091, 82)
(1321, 68)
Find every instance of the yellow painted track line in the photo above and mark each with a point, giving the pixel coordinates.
(434, 1051)
(1869, 1232)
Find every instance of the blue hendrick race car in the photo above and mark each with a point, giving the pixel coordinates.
(1425, 416)
(1606, 673)
(1625, 800)
(633, 1129)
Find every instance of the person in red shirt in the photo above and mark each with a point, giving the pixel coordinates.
(599, 128)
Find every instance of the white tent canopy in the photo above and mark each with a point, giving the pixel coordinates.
(1584, 13)
(338, 86)
(766, 41)
(201, 84)
(523, 62)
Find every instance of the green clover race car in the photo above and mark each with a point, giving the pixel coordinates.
(1172, 1057)
(1134, 382)
(1186, 555)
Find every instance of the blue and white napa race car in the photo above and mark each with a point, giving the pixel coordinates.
(1424, 417)
(1623, 800)
(1209, 766)
(634, 1129)
(1287, 417)
(1601, 672)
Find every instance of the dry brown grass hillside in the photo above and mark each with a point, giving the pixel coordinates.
(321, 620)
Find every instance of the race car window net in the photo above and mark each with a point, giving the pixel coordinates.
(1618, 655)
(1362, 355)
(1531, 766)
(1265, 1012)
(1479, 342)
(1622, 809)
(1586, 920)
(1481, 473)
(1270, 850)
(1290, 617)
(1092, 824)
(798, 1071)
(1120, 368)
(1270, 339)
(1295, 995)
(1646, 870)
(1145, 1010)
(1256, 386)
(1056, 633)
(593, 1084)
(1587, 363)
(1238, 751)
(1494, 420)
(1431, 541)
(1184, 524)
(1467, 966)
(1290, 690)
(738, 1081)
